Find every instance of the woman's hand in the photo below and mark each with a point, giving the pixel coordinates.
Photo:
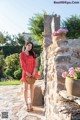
(28, 74)
(33, 74)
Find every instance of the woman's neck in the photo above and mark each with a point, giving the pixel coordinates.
(26, 52)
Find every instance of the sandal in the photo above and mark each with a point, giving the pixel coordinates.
(28, 107)
(31, 108)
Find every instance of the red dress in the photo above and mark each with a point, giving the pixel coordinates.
(28, 63)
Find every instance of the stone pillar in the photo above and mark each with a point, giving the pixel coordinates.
(47, 30)
(47, 41)
(55, 25)
(48, 20)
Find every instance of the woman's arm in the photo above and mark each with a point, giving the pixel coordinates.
(22, 62)
(35, 68)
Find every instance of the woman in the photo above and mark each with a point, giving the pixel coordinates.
(28, 64)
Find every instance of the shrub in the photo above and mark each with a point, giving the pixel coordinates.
(8, 50)
(12, 64)
(1, 64)
(40, 64)
(9, 73)
(38, 60)
(18, 73)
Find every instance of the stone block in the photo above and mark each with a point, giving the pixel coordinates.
(38, 97)
(62, 58)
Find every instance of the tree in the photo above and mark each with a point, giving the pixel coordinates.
(20, 39)
(2, 38)
(11, 40)
(1, 63)
(73, 25)
(29, 39)
(36, 26)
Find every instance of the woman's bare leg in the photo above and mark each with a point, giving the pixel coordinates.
(26, 92)
(32, 92)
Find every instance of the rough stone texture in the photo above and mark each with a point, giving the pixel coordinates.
(66, 54)
(39, 94)
(58, 57)
(65, 95)
(12, 101)
(48, 20)
(47, 30)
(55, 23)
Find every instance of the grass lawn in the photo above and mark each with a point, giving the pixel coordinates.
(10, 82)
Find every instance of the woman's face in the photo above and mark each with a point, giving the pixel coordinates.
(29, 47)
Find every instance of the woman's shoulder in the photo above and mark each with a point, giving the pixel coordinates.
(22, 53)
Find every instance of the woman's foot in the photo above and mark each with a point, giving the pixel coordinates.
(28, 107)
(31, 108)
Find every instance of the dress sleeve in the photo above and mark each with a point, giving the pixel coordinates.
(22, 62)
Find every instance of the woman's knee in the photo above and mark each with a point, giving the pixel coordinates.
(32, 86)
(25, 87)
(25, 90)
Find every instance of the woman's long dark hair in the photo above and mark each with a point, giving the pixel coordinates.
(31, 52)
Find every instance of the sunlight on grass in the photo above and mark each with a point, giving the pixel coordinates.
(11, 82)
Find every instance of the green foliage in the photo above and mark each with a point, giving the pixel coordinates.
(18, 74)
(38, 62)
(73, 25)
(36, 26)
(38, 49)
(20, 39)
(2, 38)
(7, 39)
(7, 50)
(11, 40)
(1, 64)
(1, 58)
(12, 64)
(29, 39)
(12, 60)
(9, 73)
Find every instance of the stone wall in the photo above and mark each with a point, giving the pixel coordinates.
(59, 56)
(59, 59)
